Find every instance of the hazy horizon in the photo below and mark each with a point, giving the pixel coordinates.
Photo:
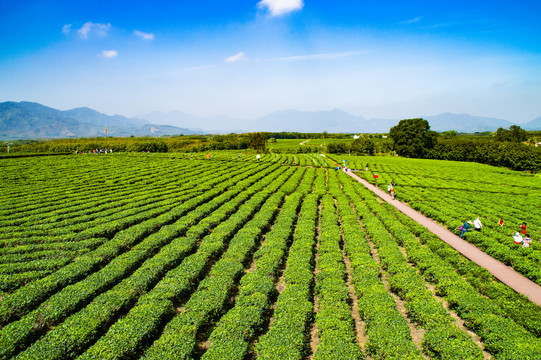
(246, 59)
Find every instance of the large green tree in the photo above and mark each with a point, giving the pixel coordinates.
(413, 138)
(362, 145)
(514, 134)
(257, 141)
(338, 148)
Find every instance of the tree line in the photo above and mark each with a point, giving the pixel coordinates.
(413, 138)
(188, 143)
(409, 138)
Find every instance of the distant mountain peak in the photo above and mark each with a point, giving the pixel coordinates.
(29, 120)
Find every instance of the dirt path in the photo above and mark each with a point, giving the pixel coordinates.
(505, 274)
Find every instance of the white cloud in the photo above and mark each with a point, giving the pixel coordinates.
(280, 7)
(337, 55)
(412, 21)
(237, 57)
(66, 29)
(109, 54)
(501, 83)
(95, 28)
(143, 35)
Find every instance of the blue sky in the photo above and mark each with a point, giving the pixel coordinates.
(386, 59)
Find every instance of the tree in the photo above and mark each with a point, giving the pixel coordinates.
(413, 138)
(337, 148)
(362, 145)
(257, 141)
(514, 134)
(449, 134)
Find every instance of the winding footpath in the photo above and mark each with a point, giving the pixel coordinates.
(502, 272)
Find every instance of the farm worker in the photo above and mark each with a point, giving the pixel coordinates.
(258, 157)
(517, 239)
(500, 223)
(477, 224)
(526, 242)
(393, 184)
(465, 227)
(523, 227)
(392, 193)
(366, 167)
(389, 187)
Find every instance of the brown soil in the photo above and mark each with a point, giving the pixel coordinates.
(314, 338)
(281, 284)
(359, 323)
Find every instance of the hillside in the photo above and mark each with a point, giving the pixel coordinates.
(535, 124)
(27, 120)
(465, 123)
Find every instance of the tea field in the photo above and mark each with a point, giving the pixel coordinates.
(224, 256)
(454, 192)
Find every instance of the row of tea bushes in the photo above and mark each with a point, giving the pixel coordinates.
(233, 333)
(15, 335)
(214, 290)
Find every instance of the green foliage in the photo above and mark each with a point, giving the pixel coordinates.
(362, 146)
(514, 156)
(515, 134)
(286, 338)
(337, 148)
(148, 146)
(413, 138)
(503, 337)
(387, 330)
(17, 333)
(449, 134)
(151, 255)
(232, 335)
(257, 141)
(213, 292)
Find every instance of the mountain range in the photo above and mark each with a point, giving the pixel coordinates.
(334, 121)
(27, 120)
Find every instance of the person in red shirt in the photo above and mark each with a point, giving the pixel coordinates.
(523, 227)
